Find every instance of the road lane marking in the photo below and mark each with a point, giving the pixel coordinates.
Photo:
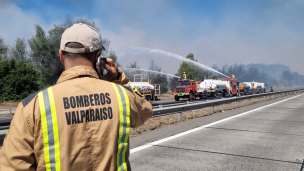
(136, 149)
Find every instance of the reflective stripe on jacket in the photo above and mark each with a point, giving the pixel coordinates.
(81, 123)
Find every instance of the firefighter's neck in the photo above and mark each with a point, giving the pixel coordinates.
(70, 63)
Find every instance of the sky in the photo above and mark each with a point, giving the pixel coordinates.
(216, 31)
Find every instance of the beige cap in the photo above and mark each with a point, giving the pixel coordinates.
(83, 34)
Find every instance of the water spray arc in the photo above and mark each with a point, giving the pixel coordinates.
(177, 57)
(124, 68)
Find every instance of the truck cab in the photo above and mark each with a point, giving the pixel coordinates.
(185, 89)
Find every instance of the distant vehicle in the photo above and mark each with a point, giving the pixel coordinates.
(235, 85)
(146, 89)
(261, 88)
(143, 86)
(248, 88)
(258, 87)
(187, 89)
(209, 88)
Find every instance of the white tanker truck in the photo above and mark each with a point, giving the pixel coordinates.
(254, 87)
(261, 87)
(209, 87)
(144, 87)
(248, 88)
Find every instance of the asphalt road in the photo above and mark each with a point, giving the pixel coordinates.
(270, 139)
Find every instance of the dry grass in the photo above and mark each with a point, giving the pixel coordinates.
(165, 97)
(7, 105)
(165, 121)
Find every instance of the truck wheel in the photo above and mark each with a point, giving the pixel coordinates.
(176, 98)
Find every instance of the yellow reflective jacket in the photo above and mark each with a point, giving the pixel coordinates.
(81, 123)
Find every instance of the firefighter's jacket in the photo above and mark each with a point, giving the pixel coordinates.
(81, 123)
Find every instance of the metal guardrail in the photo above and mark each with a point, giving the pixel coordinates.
(182, 108)
(5, 122)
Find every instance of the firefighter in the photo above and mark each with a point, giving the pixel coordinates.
(218, 93)
(80, 123)
(271, 90)
(184, 76)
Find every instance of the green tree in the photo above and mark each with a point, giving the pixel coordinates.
(44, 55)
(54, 38)
(3, 50)
(17, 80)
(44, 50)
(18, 51)
(193, 72)
(191, 57)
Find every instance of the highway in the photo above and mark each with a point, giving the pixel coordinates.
(162, 104)
(270, 138)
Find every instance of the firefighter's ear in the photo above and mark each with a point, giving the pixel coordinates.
(61, 56)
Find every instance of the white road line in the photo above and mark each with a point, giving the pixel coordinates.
(133, 150)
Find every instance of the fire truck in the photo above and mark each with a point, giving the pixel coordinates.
(187, 88)
(236, 87)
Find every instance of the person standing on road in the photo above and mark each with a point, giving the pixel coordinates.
(82, 122)
(271, 90)
(218, 93)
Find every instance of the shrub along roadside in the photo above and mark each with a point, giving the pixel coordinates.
(17, 80)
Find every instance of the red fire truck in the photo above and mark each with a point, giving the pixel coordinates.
(187, 89)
